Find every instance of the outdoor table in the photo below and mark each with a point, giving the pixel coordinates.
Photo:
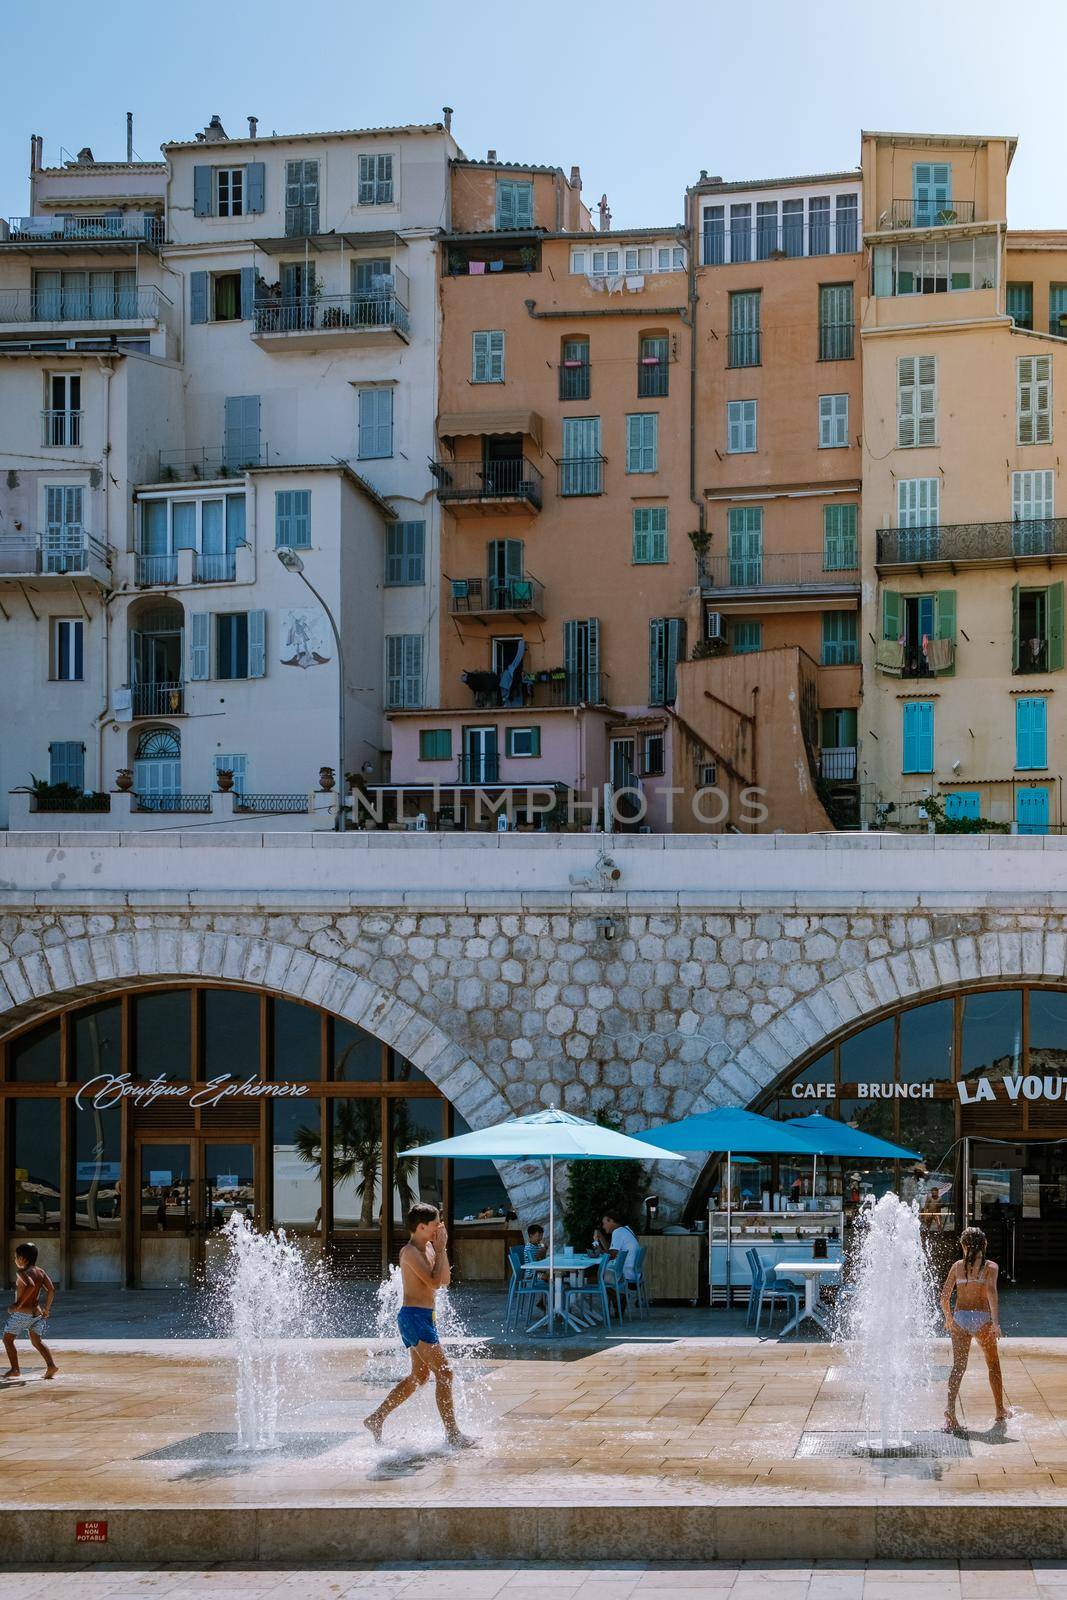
(559, 1267)
(811, 1271)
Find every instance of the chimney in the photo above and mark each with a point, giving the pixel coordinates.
(703, 174)
(85, 156)
(576, 178)
(491, 155)
(605, 213)
(129, 137)
(214, 133)
(253, 124)
(447, 114)
(36, 143)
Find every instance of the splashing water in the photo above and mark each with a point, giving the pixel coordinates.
(273, 1299)
(890, 1322)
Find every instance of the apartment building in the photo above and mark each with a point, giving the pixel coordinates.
(220, 356)
(563, 476)
(963, 552)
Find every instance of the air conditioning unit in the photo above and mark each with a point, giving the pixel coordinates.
(716, 625)
(708, 775)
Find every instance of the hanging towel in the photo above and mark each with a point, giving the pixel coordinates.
(496, 266)
(889, 655)
(634, 280)
(476, 268)
(939, 654)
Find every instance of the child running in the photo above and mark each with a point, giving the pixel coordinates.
(424, 1269)
(27, 1315)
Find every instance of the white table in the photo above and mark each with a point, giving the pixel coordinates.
(811, 1271)
(560, 1267)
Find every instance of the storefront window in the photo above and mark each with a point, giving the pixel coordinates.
(97, 1168)
(297, 1043)
(356, 1057)
(356, 1128)
(402, 1071)
(297, 1153)
(478, 1191)
(36, 1166)
(992, 1043)
(166, 1188)
(231, 1033)
(35, 1057)
(230, 1183)
(1048, 1031)
(162, 1035)
(868, 1056)
(926, 1043)
(97, 1034)
(415, 1122)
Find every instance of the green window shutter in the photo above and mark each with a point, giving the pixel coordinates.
(1015, 627)
(657, 665)
(487, 356)
(641, 535)
(839, 538)
(892, 610)
(945, 623)
(200, 645)
(1055, 627)
(202, 185)
(257, 644)
(255, 186)
(435, 744)
(657, 533)
(198, 297)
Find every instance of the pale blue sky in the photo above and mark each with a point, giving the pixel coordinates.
(641, 96)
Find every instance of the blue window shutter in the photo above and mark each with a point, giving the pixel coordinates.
(200, 645)
(198, 293)
(301, 519)
(66, 762)
(257, 644)
(965, 803)
(255, 185)
(248, 292)
(202, 191)
(1031, 810)
(918, 736)
(241, 445)
(1031, 733)
(283, 518)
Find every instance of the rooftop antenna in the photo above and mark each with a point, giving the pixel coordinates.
(129, 137)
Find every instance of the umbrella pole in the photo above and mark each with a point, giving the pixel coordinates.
(550, 1301)
(814, 1170)
(729, 1231)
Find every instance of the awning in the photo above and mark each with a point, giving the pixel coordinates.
(460, 424)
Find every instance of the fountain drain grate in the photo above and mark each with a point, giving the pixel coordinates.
(923, 1445)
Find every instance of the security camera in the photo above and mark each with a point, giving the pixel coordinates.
(956, 765)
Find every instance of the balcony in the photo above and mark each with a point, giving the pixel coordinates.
(574, 380)
(335, 321)
(838, 765)
(158, 699)
(56, 553)
(474, 767)
(153, 571)
(786, 573)
(653, 377)
(581, 475)
(174, 803)
(492, 597)
(978, 544)
(513, 484)
(786, 239)
(541, 688)
(214, 566)
(61, 429)
(203, 465)
(135, 228)
(47, 308)
(906, 658)
(925, 214)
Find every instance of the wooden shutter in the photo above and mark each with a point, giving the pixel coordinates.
(675, 652)
(642, 441)
(248, 292)
(257, 644)
(641, 535)
(1031, 733)
(366, 181)
(657, 660)
(375, 423)
(833, 421)
(839, 538)
(487, 363)
(255, 186)
(66, 762)
(412, 669)
(927, 400)
(403, 669)
(892, 614)
(198, 296)
(200, 645)
(657, 533)
(202, 185)
(906, 401)
(242, 430)
(918, 736)
(1034, 399)
(945, 624)
(301, 515)
(735, 427)
(394, 669)
(1055, 627)
(505, 204)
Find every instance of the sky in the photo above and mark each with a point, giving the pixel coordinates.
(640, 96)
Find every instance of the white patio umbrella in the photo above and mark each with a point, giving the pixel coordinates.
(553, 1135)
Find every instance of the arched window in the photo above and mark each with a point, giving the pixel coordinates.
(157, 769)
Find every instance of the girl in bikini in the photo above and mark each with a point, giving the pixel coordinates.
(976, 1316)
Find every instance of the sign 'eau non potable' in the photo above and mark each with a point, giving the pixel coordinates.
(109, 1088)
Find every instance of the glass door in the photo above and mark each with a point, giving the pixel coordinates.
(228, 1187)
(165, 1215)
(480, 755)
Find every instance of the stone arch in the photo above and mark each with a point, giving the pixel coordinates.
(37, 982)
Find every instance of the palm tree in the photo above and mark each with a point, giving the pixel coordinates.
(357, 1150)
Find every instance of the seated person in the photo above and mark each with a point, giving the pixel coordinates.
(535, 1248)
(623, 1246)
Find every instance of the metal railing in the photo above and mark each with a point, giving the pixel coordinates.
(744, 349)
(216, 566)
(653, 377)
(475, 768)
(301, 222)
(377, 309)
(574, 380)
(514, 478)
(838, 765)
(293, 805)
(836, 341)
(158, 699)
(772, 239)
(134, 226)
(475, 596)
(174, 802)
(61, 429)
(148, 571)
(544, 688)
(926, 214)
(82, 305)
(581, 475)
(781, 570)
(82, 802)
(55, 552)
(972, 541)
(190, 466)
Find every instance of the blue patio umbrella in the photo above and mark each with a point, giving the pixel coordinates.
(834, 1138)
(553, 1135)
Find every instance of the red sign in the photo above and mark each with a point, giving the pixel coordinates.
(90, 1533)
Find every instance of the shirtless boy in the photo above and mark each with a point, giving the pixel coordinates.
(424, 1269)
(27, 1315)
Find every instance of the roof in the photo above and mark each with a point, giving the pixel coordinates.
(946, 141)
(289, 138)
(1037, 238)
(507, 166)
(101, 166)
(335, 466)
(724, 186)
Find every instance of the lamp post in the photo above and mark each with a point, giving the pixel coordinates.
(292, 563)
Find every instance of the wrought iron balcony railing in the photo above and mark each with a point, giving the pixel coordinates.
(926, 214)
(134, 227)
(174, 802)
(61, 429)
(514, 478)
(480, 596)
(744, 349)
(473, 767)
(836, 341)
(57, 552)
(145, 304)
(158, 699)
(988, 542)
(189, 466)
(653, 377)
(385, 308)
(782, 570)
(773, 240)
(581, 475)
(838, 765)
(574, 380)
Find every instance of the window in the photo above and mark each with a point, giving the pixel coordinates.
(487, 356)
(1031, 733)
(741, 232)
(301, 198)
(642, 442)
(68, 637)
(666, 647)
(241, 446)
(82, 296)
(514, 203)
(238, 765)
(793, 227)
(376, 180)
(522, 742)
(403, 670)
(917, 724)
(231, 644)
(746, 638)
(581, 661)
(1037, 627)
(292, 519)
(62, 415)
(405, 554)
(574, 370)
(652, 755)
(839, 639)
(847, 214)
(916, 401)
(833, 421)
(745, 329)
(226, 297)
(1032, 497)
(375, 424)
(819, 225)
(581, 465)
(766, 228)
(649, 534)
(1057, 309)
(595, 263)
(935, 266)
(63, 546)
(919, 509)
(839, 542)
(66, 762)
(435, 744)
(229, 191)
(1033, 408)
(931, 187)
(653, 365)
(745, 538)
(1020, 304)
(740, 426)
(714, 241)
(836, 320)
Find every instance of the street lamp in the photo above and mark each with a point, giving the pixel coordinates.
(292, 563)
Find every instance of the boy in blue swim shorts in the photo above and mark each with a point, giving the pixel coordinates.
(424, 1269)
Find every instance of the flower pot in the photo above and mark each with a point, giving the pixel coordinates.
(326, 779)
(224, 781)
(124, 780)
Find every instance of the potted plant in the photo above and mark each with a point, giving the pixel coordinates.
(224, 779)
(528, 257)
(326, 779)
(124, 780)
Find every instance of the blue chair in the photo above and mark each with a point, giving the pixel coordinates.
(774, 1292)
(524, 1288)
(639, 1284)
(596, 1292)
(756, 1275)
